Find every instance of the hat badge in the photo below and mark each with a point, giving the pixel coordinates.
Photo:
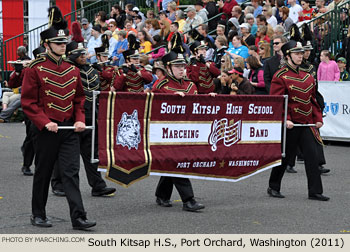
(61, 33)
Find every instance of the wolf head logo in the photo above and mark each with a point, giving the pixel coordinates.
(129, 131)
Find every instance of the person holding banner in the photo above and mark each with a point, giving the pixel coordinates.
(303, 108)
(53, 96)
(176, 83)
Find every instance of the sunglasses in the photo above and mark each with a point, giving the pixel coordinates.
(60, 43)
(276, 43)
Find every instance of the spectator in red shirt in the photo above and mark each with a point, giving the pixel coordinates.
(261, 35)
(226, 8)
(306, 13)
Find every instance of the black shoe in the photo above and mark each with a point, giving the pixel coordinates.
(192, 206)
(103, 192)
(290, 169)
(274, 193)
(40, 222)
(58, 192)
(26, 171)
(82, 224)
(323, 170)
(319, 197)
(163, 203)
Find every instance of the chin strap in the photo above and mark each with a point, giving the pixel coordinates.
(291, 59)
(52, 51)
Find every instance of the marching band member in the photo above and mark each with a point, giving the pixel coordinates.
(176, 83)
(106, 71)
(131, 76)
(76, 54)
(28, 144)
(201, 72)
(302, 109)
(52, 96)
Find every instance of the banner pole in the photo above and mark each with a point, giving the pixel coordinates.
(72, 127)
(94, 95)
(285, 125)
(304, 125)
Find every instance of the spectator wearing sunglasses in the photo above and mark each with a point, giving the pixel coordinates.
(275, 62)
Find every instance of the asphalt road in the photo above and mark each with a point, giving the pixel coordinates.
(238, 208)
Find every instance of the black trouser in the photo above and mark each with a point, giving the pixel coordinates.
(28, 148)
(299, 154)
(94, 177)
(303, 138)
(183, 186)
(61, 147)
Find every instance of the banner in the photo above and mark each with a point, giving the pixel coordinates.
(336, 123)
(225, 138)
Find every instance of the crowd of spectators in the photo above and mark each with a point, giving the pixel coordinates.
(242, 31)
(237, 36)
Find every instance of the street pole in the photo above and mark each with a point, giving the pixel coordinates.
(73, 10)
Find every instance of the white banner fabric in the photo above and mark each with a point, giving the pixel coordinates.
(337, 110)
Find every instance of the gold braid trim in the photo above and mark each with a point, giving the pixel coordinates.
(305, 113)
(58, 96)
(297, 99)
(292, 87)
(59, 108)
(317, 135)
(181, 90)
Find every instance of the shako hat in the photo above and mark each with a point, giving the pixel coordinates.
(292, 46)
(197, 45)
(131, 54)
(173, 58)
(39, 51)
(101, 51)
(74, 50)
(158, 65)
(57, 31)
(307, 46)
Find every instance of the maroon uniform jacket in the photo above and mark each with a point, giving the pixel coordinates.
(15, 80)
(301, 90)
(203, 76)
(172, 85)
(107, 76)
(132, 82)
(52, 90)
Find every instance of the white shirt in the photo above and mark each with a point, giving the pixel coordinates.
(112, 44)
(293, 12)
(272, 21)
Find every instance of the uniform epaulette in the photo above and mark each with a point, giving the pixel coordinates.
(308, 70)
(68, 61)
(37, 61)
(281, 71)
(162, 83)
